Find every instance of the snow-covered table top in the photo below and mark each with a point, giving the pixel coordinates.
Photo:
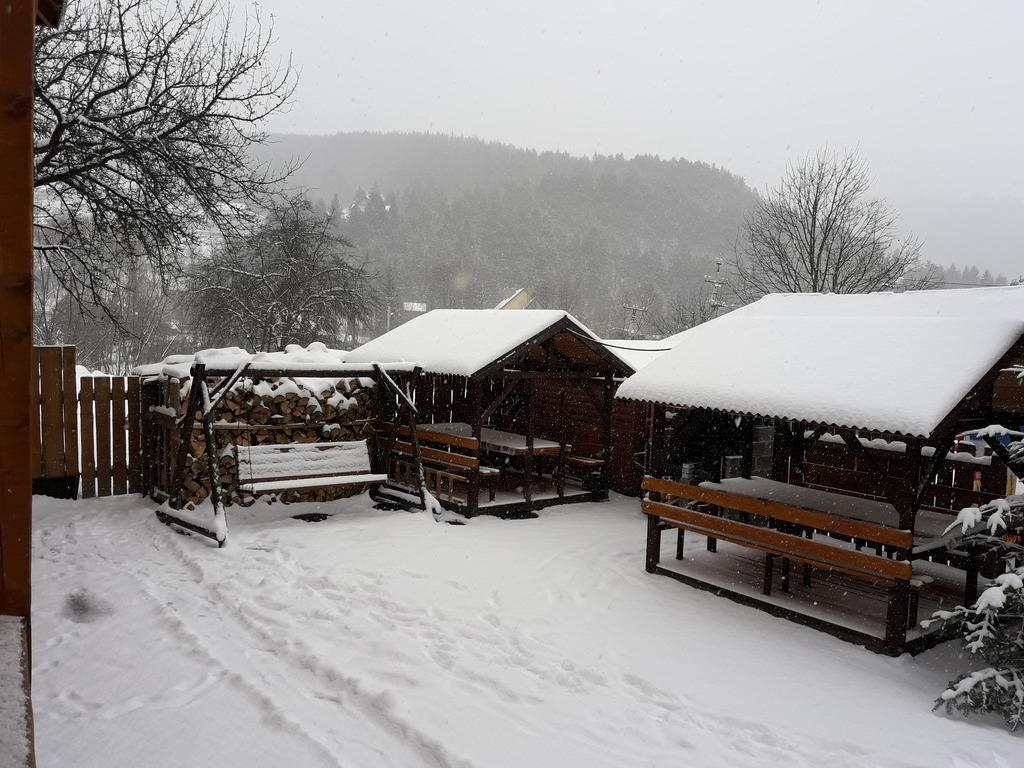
(929, 526)
(496, 440)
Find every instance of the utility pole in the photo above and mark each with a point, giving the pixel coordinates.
(716, 282)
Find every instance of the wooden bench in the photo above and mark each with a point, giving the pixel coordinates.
(296, 467)
(590, 472)
(443, 469)
(786, 533)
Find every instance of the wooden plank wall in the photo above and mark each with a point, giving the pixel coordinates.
(54, 413)
(111, 418)
(959, 482)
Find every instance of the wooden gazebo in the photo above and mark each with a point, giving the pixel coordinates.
(822, 430)
(500, 432)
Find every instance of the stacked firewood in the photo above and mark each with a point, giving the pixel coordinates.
(266, 412)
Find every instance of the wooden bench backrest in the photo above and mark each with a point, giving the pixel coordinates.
(427, 435)
(817, 553)
(436, 455)
(822, 521)
(293, 461)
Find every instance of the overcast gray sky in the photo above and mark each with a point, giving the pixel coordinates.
(932, 93)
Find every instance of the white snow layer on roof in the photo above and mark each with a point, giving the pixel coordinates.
(459, 341)
(887, 361)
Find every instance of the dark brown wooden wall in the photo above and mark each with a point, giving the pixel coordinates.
(447, 398)
(833, 466)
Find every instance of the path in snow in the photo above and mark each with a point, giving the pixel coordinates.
(385, 639)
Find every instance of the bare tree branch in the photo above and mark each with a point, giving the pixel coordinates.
(146, 113)
(818, 231)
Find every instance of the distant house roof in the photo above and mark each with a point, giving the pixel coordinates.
(898, 362)
(466, 342)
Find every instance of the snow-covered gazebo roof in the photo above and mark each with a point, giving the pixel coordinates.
(467, 342)
(898, 362)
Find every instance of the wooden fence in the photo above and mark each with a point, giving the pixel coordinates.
(111, 419)
(86, 429)
(54, 421)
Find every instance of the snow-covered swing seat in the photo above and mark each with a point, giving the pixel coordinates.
(280, 467)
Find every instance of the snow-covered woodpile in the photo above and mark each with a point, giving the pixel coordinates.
(255, 411)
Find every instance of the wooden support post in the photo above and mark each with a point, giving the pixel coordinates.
(606, 425)
(747, 455)
(213, 465)
(680, 541)
(563, 422)
(657, 447)
(785, 574)
(16, 35)
(796, 455)
(766, 588)
(896, 615)
(780, 453)
(653, 543)
(531, 407)
(185, 433)
(476, 423)
(714, 469)
(913, 608)
(907, 499)
(971, 579)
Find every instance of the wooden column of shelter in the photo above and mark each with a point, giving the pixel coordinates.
(17, 23)
(476, 421)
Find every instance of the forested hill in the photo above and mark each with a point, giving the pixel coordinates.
(463, 223)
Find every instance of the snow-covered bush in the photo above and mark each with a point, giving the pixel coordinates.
(993, 628)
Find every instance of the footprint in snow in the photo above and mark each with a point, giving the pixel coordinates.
(83, 607)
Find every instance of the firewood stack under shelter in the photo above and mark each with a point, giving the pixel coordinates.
(255, 411)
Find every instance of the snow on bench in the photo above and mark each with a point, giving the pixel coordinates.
(264, 468)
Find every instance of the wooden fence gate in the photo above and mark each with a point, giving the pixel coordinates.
(87, 429)
(54, 422)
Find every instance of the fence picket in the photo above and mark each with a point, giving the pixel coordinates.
(103, 475)
(118, 430)
(52, 404)
(70, 410)
(135, 427)
(85, 401)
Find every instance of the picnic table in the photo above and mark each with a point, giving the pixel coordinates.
(929, 527)
(497, 440)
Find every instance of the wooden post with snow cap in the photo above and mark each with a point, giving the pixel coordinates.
(476, 423)
(531, 407)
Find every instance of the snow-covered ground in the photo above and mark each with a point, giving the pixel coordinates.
(385, 639)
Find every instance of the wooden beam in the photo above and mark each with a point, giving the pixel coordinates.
(497, 401)
(17, 28)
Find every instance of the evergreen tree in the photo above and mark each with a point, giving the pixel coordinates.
(992, 629)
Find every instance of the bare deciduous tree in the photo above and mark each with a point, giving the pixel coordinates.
(145, 114)
(819, 230)
(291, 280)
(686, 311)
